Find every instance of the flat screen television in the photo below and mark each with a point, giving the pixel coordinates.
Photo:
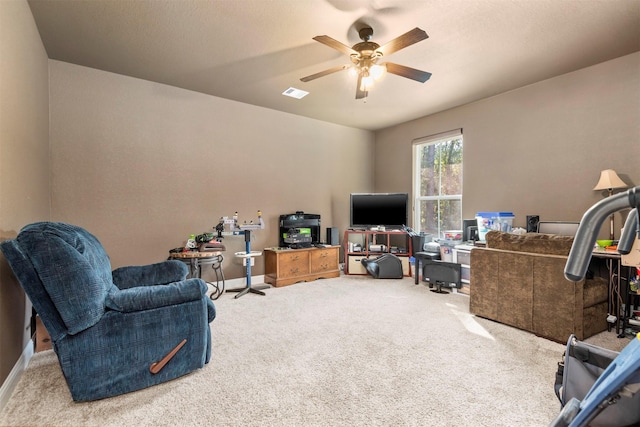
(390, 210)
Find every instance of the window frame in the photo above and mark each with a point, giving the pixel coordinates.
(417, 199)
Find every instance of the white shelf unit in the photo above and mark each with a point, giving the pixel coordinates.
(462, 256)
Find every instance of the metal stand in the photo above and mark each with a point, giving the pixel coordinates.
(216, 265)
(248, 288)
(196, 261)
(438, 288)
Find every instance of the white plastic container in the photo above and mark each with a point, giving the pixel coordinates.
(487, 221)
(453, 235)
(446, 250)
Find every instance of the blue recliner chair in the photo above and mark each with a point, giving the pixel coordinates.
(113, 332)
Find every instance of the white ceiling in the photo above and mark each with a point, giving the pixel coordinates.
(253, 50)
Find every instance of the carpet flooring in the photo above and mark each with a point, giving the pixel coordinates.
(349, 351)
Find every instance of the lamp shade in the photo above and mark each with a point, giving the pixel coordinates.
(609, 179)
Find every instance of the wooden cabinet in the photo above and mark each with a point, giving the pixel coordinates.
(288, 266)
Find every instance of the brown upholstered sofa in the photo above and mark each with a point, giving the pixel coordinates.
(519, 280)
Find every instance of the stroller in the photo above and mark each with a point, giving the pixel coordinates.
(624, 371)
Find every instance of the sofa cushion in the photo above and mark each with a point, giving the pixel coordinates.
(538, 243)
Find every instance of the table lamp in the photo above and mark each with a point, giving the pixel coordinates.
(609, 180)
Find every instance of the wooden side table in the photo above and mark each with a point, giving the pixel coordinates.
(196, 260)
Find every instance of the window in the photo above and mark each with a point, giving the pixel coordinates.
(437, 195)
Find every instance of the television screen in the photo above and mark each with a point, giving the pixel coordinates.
(390, 210)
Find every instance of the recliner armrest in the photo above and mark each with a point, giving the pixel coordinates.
(147, 275)
(149, 297)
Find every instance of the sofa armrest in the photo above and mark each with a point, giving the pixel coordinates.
(150, 297)
(159, 273)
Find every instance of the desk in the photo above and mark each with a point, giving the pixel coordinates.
(195, 260)
(614, 267)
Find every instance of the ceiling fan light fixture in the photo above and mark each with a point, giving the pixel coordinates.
(364, 57)
(377, 71)
(367, 81)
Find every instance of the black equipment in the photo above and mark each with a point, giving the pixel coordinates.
(532, 223)
(469, 230)
(299, 230)
(441, 273)
(333, 238)
(387, 266)
(298, 237)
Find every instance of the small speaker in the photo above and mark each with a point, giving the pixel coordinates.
(532, 223)
(332, 236)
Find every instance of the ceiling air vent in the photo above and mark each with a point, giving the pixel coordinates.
(295, 93)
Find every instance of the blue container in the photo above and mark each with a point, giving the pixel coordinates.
(487, 221)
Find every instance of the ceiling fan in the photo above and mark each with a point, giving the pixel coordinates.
(365, 56)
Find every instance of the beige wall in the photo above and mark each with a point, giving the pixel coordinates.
(24, 160)
(143, 165)
(538, 149)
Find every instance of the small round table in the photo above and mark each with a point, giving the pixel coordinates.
(195, 260)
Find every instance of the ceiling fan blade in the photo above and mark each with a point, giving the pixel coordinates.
(360, 94)
(407, 39)
(408, 72)
(324, 73)
(333, 43)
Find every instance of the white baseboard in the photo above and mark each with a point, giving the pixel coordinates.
(242, 281)
(14, 376)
